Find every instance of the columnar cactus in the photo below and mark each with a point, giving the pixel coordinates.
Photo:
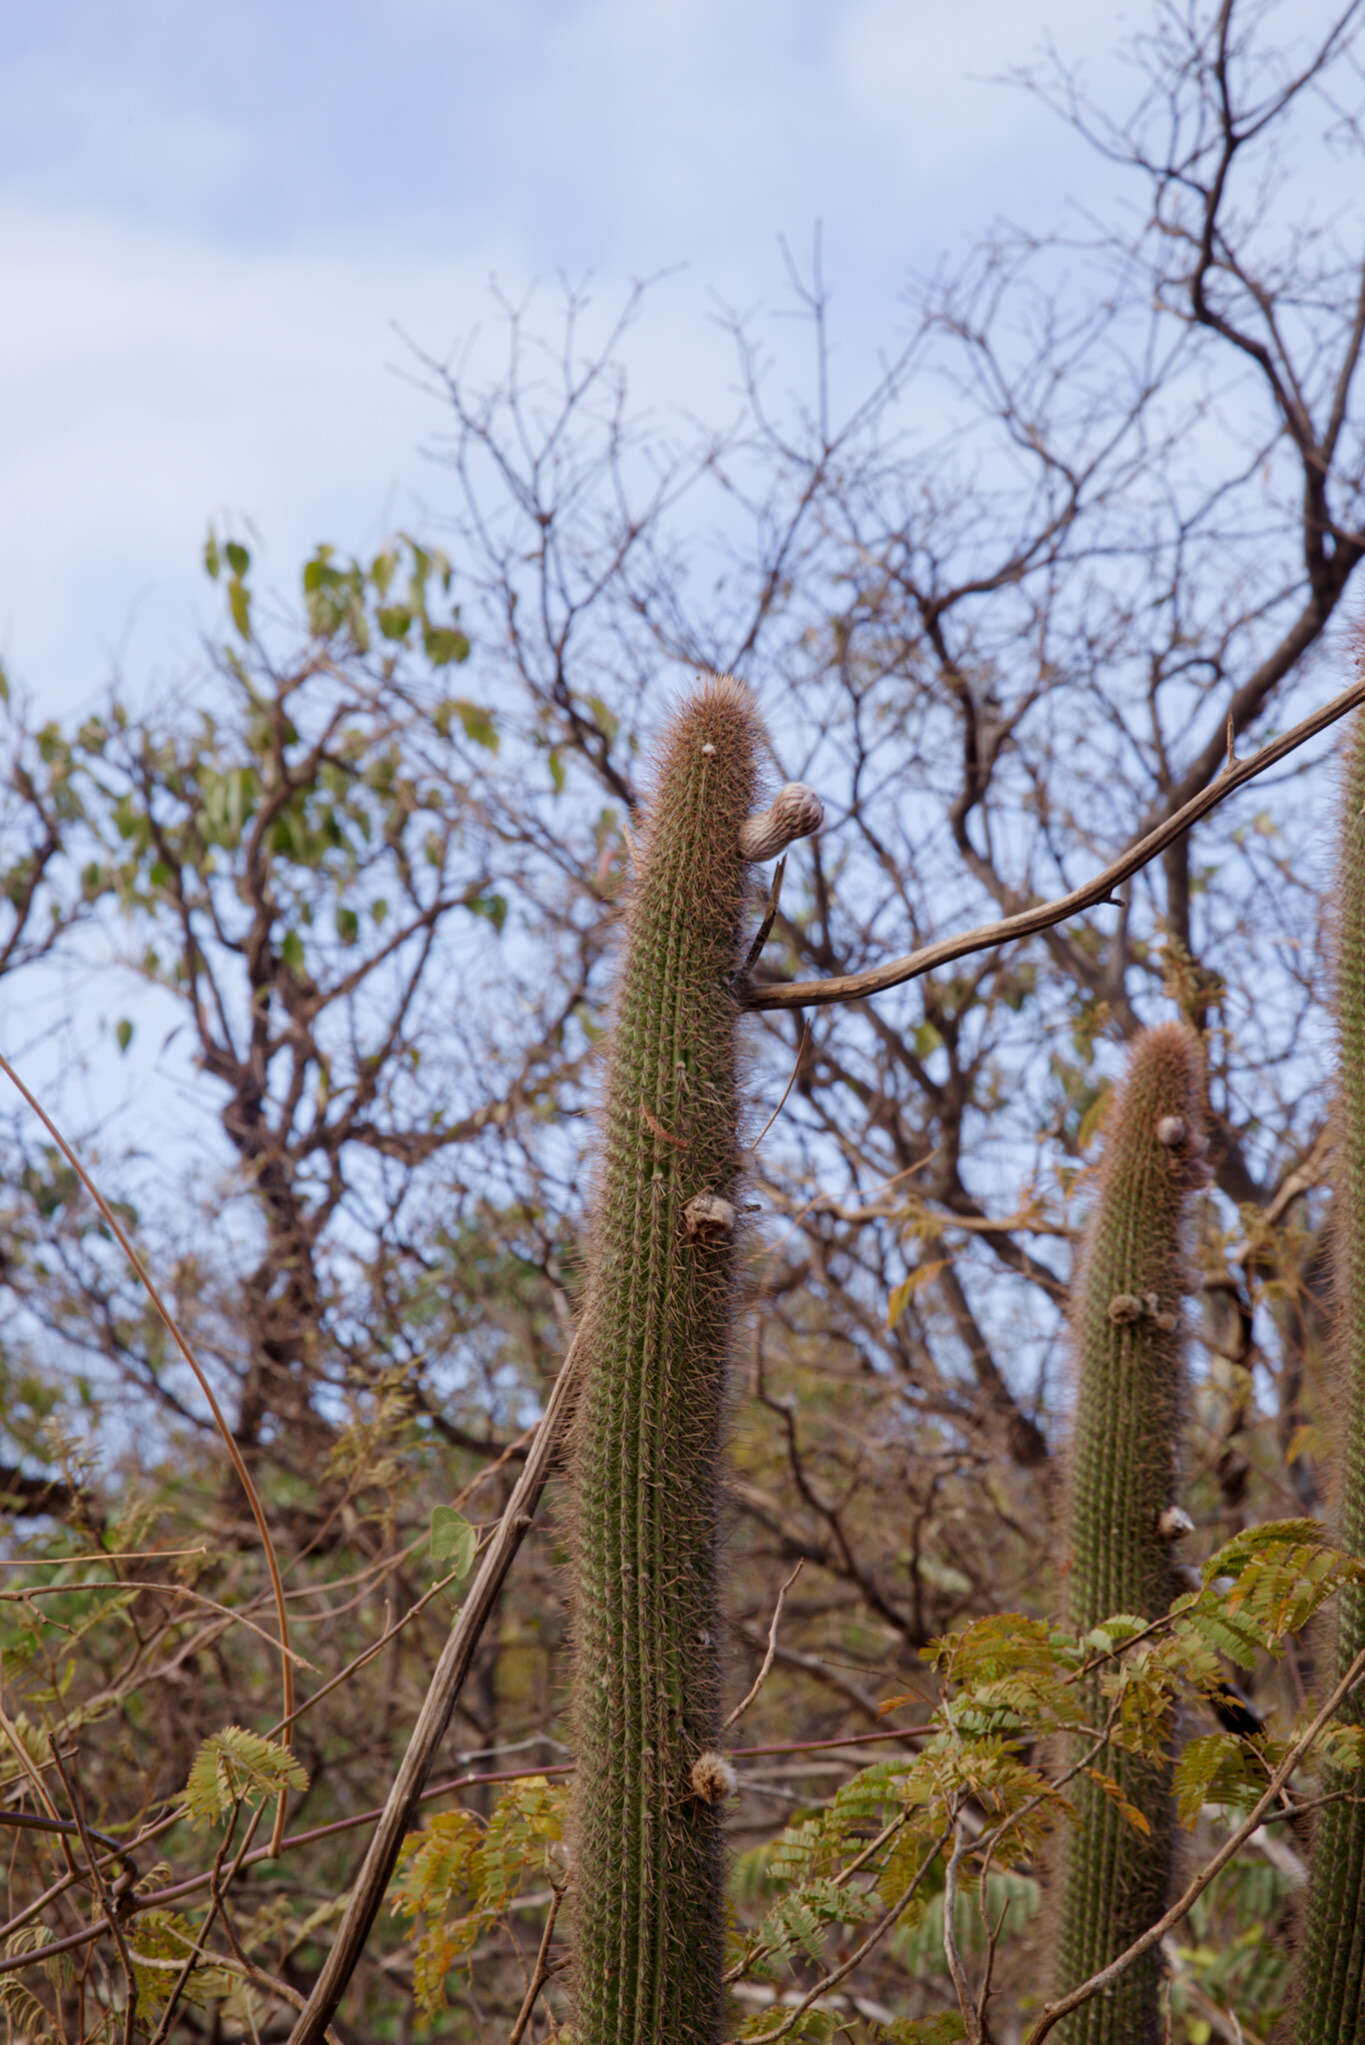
(649, 1788)
(1331, 1991)
(1128, 1346)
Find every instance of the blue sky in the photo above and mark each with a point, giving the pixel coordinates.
(211, 224)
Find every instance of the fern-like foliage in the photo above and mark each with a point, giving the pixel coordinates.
(459, 1874)
(160, 1943)
(1012, 1689)
(235, 1766)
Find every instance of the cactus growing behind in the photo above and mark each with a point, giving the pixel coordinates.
(1331, 1989)
(1128, 1346)
(648, 1873)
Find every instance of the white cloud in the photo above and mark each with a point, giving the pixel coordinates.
(148, 380)
(202, 267)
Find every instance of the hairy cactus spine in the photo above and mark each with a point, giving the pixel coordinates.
(649, 1787)
(1331, 1989)
(1128, 1346)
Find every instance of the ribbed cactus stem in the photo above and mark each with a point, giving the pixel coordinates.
(1128, 1347)
(1331, 1989)
(650, 1787)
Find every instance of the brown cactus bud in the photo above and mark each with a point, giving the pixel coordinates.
(794, 812)
(713, 1778)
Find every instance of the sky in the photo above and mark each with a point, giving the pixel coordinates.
(217, 227)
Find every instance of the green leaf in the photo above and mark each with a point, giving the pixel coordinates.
(159, 1944)
(945, 2027)
(123, 1032)
(238, 558)
(212, 558)
(1128, 1810)
(291, 951)
(1282, 1572)
(394, 620)
(444, 645)
(1217, 1769)
(557, 775)
(233, 1765)
(4, 684)
(903, 1293)
(347, 924)
(814, 2027)
(382, 570)
(239, 604)
(453, 1540)
(1342, 1747)
(494, 907)
(318, 572)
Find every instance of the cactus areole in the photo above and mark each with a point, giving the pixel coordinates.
(1123, 1515)
(658, 1307)
(1331, 1986)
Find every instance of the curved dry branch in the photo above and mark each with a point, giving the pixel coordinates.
(1028, 922)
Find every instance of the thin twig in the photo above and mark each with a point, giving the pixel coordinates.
(243, 1474)
(376, 1646)
(37, 1824)
(951, 1954)
(97, 1555)
(180, 1590)
(993, 1932)
(764, 931)
(540, 1975)
(106, 1902)
(762, 1675)
(442, 1692)
(800, 1054)
(1028, 922)
(196, 1952)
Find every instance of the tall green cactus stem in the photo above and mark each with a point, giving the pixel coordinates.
(1128, 1346)
(1331, 1987)
(647, 1855)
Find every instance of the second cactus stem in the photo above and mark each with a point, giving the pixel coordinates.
(1128, 1348)
(647, 1855)
(1331, 1989)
